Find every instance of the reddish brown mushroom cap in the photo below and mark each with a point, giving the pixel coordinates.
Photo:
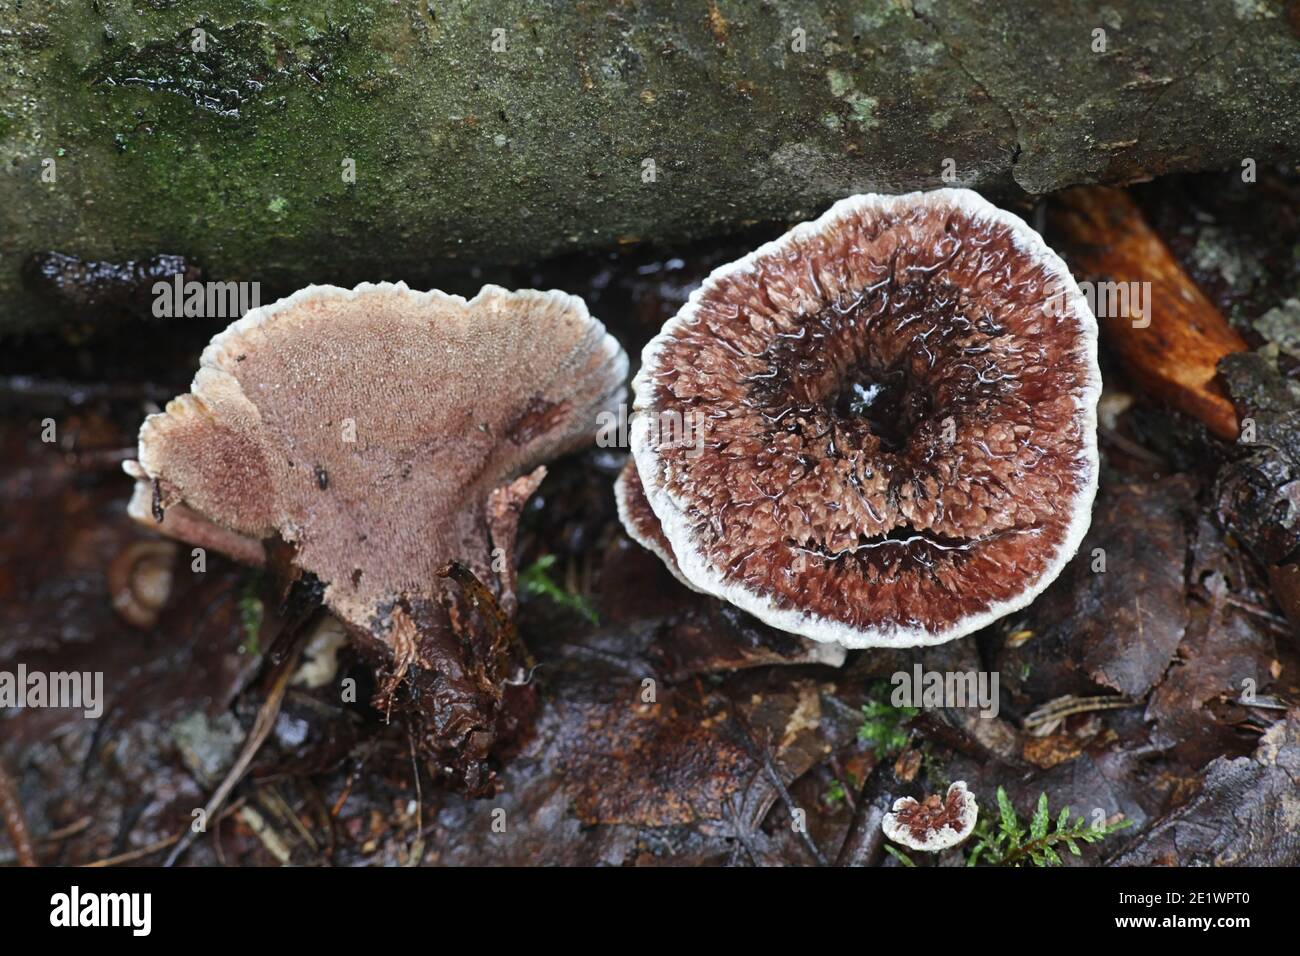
(899, 407)
(639, 520)
(935, 823)
(642, 526)
(381, 431)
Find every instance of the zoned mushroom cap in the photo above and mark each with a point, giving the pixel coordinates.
(640, 522)
(899, 407)
(935, 823)
(643, 527)
(381, 431)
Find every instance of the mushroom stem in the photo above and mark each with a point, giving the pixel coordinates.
(455, 651)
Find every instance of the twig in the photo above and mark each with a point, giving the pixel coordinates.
(143, 851)
(1046, 718)
(152, 848)
(30, 387)
(864, 843)
(850, 798)
(12, 812)
(763, 755)
(744, 837)
(343, 797)
(270, 710)
(1131, 448)
(267, 834)
(72, 829)
(275, 803)
(316, 801)
(419, 794)
(1274, 621)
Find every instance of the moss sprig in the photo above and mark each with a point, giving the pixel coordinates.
(1010, 843)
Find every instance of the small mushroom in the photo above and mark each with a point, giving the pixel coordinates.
(899, 406)
(140, 581)
(935, 823)
(384, 434)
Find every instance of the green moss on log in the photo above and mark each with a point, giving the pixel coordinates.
(509, 131)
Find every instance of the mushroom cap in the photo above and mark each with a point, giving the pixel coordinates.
(370, 428)
(140, 581)
(899, 406)
(642, 526)
(640, 522)
(934, 824)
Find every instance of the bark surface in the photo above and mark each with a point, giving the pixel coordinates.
(501, 132)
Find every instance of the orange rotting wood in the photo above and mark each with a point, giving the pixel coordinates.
(1175, 356)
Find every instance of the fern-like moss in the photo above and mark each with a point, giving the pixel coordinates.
(536, 580)
(884, 725)
(1010, 843)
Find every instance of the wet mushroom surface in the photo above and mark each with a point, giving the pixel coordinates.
(897, 414)
(937, 822)
(390, 438)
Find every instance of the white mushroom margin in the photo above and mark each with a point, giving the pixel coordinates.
(673, 514)
(943, 838)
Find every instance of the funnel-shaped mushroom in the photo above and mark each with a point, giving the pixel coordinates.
(383, 433)
(899, 423)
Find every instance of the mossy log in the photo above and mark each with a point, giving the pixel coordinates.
(318, 140)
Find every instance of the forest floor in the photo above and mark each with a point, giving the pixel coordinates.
(741, 757)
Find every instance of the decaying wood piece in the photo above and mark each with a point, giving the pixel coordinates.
(15, 823)
(1170, 337)
(521, 129)
(1244, 814)
(1258, 492)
